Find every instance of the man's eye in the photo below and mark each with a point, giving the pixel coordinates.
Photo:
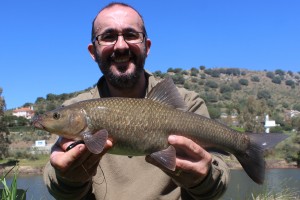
(108, 37)
(131, 36)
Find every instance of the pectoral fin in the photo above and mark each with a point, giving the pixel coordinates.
(95, 142)
(166, 158)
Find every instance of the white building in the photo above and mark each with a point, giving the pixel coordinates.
(26, 112)
(269, 124)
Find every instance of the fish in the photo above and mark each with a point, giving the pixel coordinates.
(141, 126)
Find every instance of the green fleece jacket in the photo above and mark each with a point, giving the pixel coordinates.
(124, 178)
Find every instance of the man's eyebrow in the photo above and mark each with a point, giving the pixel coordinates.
(126, 30)
(109, 30)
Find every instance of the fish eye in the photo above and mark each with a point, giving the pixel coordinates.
(56, 115)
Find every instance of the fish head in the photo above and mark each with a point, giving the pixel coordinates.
(65, 121)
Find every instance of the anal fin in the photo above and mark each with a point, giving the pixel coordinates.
(166, 158)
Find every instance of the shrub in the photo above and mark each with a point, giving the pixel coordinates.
(236, 86)
(270, 75)
(170, 69)
(255, 79)
(194, 80)
(225, 88)
(177, 70)
(178, 79)
(208, 71)
(212, 84)
(215, 73)
(158, 73)
(276, 80)
(290, 83)
(226, 95)
(212, 98)
(244, 81)
(263, 94)
(184, 72)
(296, 107)
(194, 70)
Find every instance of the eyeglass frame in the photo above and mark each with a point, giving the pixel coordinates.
(119, 34)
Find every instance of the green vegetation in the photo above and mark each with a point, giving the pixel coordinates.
(4, 132)
(12, 192)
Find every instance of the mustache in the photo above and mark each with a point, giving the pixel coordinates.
(116, 54)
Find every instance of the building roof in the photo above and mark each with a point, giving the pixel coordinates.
(23, 109)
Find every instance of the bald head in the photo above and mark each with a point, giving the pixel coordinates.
(117, 7)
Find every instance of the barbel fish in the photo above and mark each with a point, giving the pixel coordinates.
(141, 127)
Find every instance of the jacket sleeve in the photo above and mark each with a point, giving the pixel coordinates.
(213, 186)
(60, 188)
(216, 182)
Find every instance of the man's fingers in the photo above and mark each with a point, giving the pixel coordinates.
(187, 147)
(63, 160)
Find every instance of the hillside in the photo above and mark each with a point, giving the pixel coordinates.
(232, 89)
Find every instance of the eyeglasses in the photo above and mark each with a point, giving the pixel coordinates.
(107, 39)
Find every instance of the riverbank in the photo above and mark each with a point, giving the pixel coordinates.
(232, 163)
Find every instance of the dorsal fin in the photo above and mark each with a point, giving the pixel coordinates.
(165, 92)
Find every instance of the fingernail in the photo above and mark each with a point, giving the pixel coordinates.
(172, 138)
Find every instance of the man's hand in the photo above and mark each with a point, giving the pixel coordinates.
(77, 164)
(193, 163)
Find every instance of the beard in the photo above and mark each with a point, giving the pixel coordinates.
(122, 80)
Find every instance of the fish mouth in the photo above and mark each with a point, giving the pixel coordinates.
(36, 123)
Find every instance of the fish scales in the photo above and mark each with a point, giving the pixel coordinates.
(148, 124)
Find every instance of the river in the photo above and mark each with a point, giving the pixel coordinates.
(240, 187)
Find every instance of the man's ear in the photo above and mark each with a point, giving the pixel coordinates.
(91, 49)
(148, 45)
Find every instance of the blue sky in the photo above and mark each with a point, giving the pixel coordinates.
(43, 44)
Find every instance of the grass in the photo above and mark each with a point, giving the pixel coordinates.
(39, 162)
(11, 192)
(285, 194)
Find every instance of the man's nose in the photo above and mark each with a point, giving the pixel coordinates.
(121, 43)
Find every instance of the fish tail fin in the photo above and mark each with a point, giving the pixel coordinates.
(252, 160)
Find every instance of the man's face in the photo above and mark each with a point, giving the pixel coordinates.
(121, 63)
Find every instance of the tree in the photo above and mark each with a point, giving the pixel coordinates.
(214, 112)
(202, 67)
(279, 72)
(248, 110)
(4, 132)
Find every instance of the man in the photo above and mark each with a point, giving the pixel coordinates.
(120, 47)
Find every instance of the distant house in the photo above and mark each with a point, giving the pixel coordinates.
(41, 147)
(269, 124)
(26, 112)
(289, 114)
